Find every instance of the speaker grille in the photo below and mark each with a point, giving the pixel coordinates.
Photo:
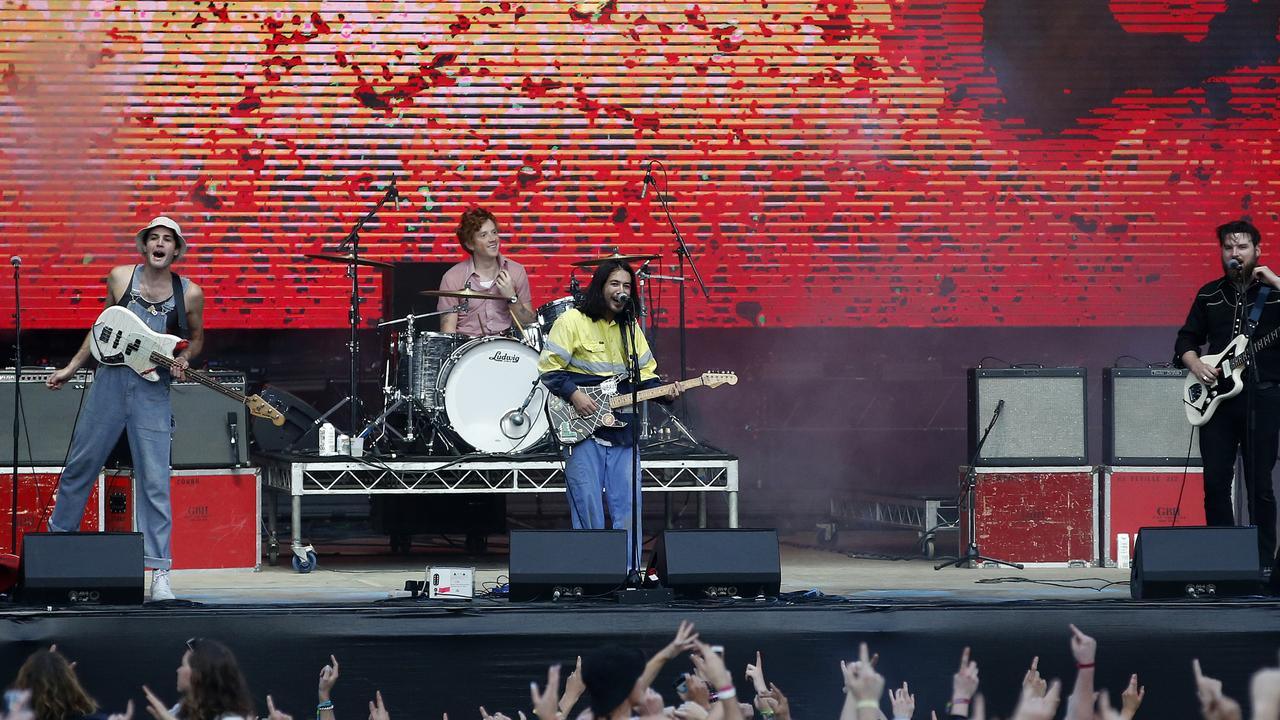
(1042, 421)
(1144, 421)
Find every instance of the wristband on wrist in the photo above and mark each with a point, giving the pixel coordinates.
(1084, 666)
(326, 705)
(868, 704)
(960, 701)
(726, 693)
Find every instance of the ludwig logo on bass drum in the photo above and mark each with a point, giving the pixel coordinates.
(505, 357)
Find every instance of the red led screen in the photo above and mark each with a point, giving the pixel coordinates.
(832, 163)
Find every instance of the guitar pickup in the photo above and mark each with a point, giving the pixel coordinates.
(104, 334)
(132, 347)
(116, 343)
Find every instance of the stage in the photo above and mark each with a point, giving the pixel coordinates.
(434, 656)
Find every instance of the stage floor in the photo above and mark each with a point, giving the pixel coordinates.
(358, 572)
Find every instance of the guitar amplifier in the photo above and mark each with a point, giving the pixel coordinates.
(1042, 420)
(210, 429)
(1143, 420)
(48, 416)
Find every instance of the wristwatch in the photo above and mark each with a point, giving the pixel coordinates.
(513, 299)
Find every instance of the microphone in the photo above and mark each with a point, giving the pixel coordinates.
(648, 180)
(16, 261)
(621, 297)
(1233, 266)
(999, 407)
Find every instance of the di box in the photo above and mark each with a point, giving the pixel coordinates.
(705, 563)
(37, 488)
(1036, 516)
(1134, 498)
(81, 569)
(554, 564)
(215, 515)
(1203, 562)
(1041, 416)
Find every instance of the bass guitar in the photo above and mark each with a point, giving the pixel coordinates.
(569, 427)
(120, 338)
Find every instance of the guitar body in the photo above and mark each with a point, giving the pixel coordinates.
(1200, 400)
(571, 428)
(121, 338)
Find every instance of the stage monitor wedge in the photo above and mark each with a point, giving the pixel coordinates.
(1181, 562)
(554, 564)
(75, 568)
(1042, 421)
(1143, 419)
(719, 563)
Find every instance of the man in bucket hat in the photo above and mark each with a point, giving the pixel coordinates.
(120, 399)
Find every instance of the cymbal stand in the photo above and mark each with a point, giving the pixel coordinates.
(402, 397)
(352, 244)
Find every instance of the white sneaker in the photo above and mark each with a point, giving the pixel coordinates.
(160, 586)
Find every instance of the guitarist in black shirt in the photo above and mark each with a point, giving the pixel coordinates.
(1248, 423)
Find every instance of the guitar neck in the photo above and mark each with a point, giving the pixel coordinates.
(625, 399)
(1254, 347)
(201, 378)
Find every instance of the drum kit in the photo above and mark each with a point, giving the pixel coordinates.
(458, 394)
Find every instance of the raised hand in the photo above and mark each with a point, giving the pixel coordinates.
(573, 689)
(273, 713)
(755, 673)
(1083, 647)
(904, 703)
(1033, 680)
(1264, 691)
(1208, 690)
(711, 666)
(684, 641)
(691, 710)
(777, 702)
(545, 703)
(328, 678)
(158, 709)
(1131, 698)
(1033, 706)
(965, 682)
(861, 679)
(377, 710)
(126, 715)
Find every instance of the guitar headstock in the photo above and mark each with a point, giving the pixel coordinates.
(263, 409)
(716, 379)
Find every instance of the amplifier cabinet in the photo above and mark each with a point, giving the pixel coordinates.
(216, 515)
(47, 419)
(1138, 497)
(210, 429)
(37, 488)
(1143, 421)
(1035, 515)
(1042, 419)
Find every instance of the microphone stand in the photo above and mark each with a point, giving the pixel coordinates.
(352, 244)
(17, 399)
(972, 554)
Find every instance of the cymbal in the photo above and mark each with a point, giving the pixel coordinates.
(350, 260)
(615, 257)
(465, 293)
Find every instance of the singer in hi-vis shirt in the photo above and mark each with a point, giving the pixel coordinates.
(587, 345)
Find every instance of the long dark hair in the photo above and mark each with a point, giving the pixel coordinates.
(593, 303)
(217, 687)
(56, 693)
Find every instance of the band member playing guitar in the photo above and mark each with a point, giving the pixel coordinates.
(587, 346)
(1229, 312)
(120, 399)
(489, 272)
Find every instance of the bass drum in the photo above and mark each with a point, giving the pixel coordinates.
(486, 381)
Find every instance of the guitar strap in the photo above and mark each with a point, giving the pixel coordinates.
(180, 306)
(1256, 312)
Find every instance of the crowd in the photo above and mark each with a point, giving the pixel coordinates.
(617, 683)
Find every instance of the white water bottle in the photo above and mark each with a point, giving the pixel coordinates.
(328, 439)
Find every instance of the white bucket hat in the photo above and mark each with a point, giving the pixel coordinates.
(164, 222)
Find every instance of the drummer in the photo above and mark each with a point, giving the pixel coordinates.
(485, 271)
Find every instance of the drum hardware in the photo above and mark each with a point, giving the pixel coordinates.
(516, 424)
(392, 397)
(348, 253)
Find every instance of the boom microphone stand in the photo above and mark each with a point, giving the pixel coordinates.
(17, 398)
(972, 554)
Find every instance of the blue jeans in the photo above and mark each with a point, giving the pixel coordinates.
(120, 399)
(594, 472)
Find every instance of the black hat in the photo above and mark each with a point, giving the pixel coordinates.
(610, 673)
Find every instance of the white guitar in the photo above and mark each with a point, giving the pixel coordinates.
(120, 338)
(1201, 400)
(569, 427)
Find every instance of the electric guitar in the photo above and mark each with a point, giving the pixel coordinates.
(569, 427)
(120, 338)
(1199, 399)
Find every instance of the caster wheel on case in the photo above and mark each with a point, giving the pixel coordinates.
(305, 566)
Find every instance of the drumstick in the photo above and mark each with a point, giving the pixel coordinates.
(519, 326)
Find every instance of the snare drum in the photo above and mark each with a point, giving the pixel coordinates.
(420, 364)
(492, 397)
(536, 334)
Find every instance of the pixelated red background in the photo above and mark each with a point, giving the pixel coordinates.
(830, 163)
